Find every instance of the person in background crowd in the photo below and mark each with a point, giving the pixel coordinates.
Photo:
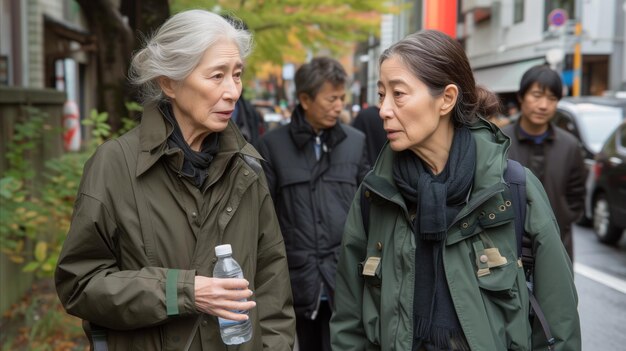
(369, 122)
(313, 168)
(512, 109)
(499, 120)
(344, 117)
(152, 205)
(437, 267)
(552, 154)
(248, 120)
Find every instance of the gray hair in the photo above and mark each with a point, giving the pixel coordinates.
(178, 45)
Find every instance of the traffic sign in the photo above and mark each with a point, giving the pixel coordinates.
(557, 17)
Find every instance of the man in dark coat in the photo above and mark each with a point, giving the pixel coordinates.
(248, 120)
(314, 166)
(369, 122)
(551, 153)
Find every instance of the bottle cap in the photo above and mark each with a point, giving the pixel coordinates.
(223, 250)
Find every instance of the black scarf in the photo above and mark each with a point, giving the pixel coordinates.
(195, 163)
(437, 199)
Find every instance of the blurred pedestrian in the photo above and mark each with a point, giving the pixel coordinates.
(345, 117)
(313, 168)
(369, 122)
(552, 154)
(437, 267)
(511, 109)
(138, 259)
(248, 120)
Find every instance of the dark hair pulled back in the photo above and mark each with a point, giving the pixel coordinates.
(438, 60)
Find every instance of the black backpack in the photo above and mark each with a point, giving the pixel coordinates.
(515, 177)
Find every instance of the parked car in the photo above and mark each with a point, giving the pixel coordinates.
(591, 119)
(608, 195)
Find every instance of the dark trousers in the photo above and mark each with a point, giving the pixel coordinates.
(314, 335)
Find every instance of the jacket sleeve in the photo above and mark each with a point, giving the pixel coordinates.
(553, 274)
(272, 284)
(88, 279)
(575, 190)
(346, 325)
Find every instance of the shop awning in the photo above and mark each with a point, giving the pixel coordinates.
(504, 78)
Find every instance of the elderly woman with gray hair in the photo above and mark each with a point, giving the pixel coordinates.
(152, 205)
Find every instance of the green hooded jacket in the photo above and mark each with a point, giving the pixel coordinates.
(376, 273)
(141, 232)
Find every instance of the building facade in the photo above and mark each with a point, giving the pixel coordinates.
(44, 44)
(503, 38)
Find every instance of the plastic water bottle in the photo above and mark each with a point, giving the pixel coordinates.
(233, 332)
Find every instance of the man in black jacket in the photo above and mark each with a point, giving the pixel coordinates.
(552, 154)
(369, 122)
(314, 166)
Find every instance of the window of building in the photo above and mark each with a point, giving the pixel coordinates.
(518, 11)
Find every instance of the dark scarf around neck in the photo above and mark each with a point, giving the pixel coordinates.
(195, 163)
(437, 199)
(432, 194)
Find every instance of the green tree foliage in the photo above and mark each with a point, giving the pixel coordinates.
(35, 213)
(289, 29)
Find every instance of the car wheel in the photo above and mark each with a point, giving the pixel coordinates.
(603, 225)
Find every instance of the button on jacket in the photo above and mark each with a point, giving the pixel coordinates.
(141, 232)
(376, 272)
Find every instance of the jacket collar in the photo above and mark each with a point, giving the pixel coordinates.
(491, 155)
(302, 132)
(524, 138)
(154, 131)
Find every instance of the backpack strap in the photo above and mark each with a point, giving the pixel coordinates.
(515, 176)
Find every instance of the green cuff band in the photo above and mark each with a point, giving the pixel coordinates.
(171, 292)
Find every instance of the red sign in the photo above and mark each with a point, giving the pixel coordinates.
(441, 15)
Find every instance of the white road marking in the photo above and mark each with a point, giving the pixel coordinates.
(601, 277)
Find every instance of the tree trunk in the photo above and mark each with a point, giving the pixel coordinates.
(116, 41)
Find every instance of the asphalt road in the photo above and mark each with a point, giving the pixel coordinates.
(601, 284)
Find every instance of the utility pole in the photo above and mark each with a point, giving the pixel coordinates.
(577, 48)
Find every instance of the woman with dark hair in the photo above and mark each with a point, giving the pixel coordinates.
(436, 265)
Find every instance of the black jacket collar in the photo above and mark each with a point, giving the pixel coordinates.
(302, 132)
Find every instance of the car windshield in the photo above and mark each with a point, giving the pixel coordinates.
(597, 122)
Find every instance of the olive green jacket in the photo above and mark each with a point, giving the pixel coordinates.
(141, 232)
(374, 301)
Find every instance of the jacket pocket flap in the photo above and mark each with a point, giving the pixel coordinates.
(341, 172)
(500, 278)
(293, 176)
